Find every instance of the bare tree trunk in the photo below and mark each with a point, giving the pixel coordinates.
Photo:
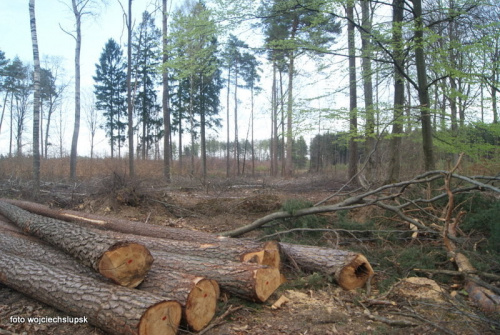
(288, 172)
(251, 125)
(74, 142)
(397, 122)
(236, 140)
(228, 160)
(130, 106)
(203, 144)
(423, 88)
(36, 100)
(274, 125)
(166, 107)
(368, 89)
(353, 128)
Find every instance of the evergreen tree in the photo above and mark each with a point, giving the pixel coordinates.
(147, 58)
(3, 75)
(110, 91)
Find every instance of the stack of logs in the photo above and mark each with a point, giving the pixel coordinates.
(134, 278)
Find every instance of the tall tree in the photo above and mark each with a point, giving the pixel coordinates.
(423, 87)
(15, 83)
(36, 99)
(251, 75)
(3, 76)
(167, 147)
(397, 122)
(353, 95)
(51, 95)
(366, 66)
(130, 103)
(307, 28)
(194, 40)
(80, 8)
(110, 90)
(147, 59)
(234, 59)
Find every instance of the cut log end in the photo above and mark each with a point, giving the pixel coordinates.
(355, 274)
(126, 263)
(201, 304)
(161, 319)
(267, 280)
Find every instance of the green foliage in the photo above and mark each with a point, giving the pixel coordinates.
(313, 281)
(482, 216)
(300, 153)
(307, 222)
(478, 140)
(398, 262)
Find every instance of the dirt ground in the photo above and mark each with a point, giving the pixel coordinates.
(310, 303)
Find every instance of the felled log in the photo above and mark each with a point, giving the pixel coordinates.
(124, 262)
(247, 280)
(115, 309)
(266, 253)
(349, 269)
(197, 295)
(260, 253)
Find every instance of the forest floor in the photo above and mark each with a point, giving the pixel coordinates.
(314, 306)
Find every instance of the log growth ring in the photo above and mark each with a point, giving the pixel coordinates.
(355, 274)
(126, 263)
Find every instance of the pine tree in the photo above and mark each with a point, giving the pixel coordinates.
(110, 91)
(147, 58)
(296, 29)
(3, 75)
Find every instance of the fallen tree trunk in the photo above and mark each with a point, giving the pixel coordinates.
(115, 309)
(124, 262)
(485, 298)
(197, 295)
(349, 269)
(214, 246)
(250, 281)
(260, 253)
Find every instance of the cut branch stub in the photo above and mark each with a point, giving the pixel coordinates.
(349, 269)
(125, 263)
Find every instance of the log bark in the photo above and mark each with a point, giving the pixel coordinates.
(115, 309)
(349, 269)
(125, 263)
(236, 249)
(197, 295)
(259, 253)
(249, 281)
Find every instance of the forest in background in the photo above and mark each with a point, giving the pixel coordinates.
(421, 79)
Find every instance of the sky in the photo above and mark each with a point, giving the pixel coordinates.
(55, 15)
(52, 16)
